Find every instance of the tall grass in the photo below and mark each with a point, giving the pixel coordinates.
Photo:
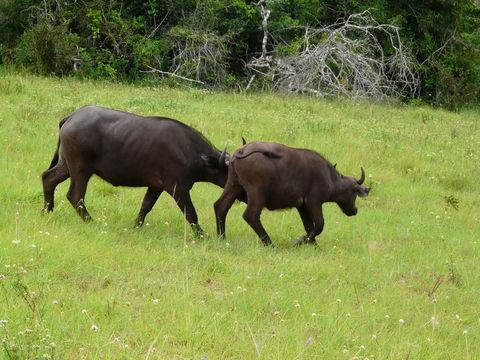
(398, 281)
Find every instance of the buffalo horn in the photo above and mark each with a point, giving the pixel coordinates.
(362, 177)
(244, 142)
(222, 161)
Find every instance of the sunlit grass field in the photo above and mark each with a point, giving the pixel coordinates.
(401, 280)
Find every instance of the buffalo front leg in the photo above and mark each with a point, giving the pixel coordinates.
(308, 225)
(149, 200)
(316, 214)
(252, 214)
(50, 179)
(184, 202)
(76, 195)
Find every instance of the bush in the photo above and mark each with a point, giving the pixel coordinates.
(48, 49)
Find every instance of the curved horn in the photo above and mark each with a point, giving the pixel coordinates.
(222, 159)
(244, 142)
(362, 177)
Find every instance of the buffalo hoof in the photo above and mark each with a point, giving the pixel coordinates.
(304, 239)
(47, 208)
(197, 231)
(300, 240)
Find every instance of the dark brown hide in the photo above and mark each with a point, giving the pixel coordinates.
(276, 176)
(130, 150)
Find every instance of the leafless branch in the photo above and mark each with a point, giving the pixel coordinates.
(347, 59)
(153, 70)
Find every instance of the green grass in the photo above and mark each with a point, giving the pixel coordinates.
(398, 281)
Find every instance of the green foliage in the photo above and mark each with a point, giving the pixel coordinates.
(48, 49)
(443, 34)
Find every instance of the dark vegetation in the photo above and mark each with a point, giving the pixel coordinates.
(209, 42)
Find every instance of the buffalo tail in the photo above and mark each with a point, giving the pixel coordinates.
(268, 154)
(56, 156)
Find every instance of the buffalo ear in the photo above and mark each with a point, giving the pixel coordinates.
(362, 191)
(212, 161)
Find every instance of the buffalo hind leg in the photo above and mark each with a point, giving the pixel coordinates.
(76, 194)
(184, 202)
(256, 203)
(147, 204)
(50, 179)
(224, 203)
(308, 225)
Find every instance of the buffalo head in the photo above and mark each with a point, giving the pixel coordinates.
(348, 191)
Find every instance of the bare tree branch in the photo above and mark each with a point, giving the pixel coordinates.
(153, 70)
(346, 58)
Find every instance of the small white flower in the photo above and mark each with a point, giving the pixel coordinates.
(16, 242)
(348, 315)
(155, 301)
(55, 302)
(116, 339)
(374, 337)
(47, 233)
(84, 311)
(339, 300)
(345, 351)
(374, 301)
(275, 313)
(94, 328)
(314, 314)
(465, 332)
(387, 317)
(2, 277)
(401, 321)
(27, 331)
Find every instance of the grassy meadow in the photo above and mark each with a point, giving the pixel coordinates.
(400, 280)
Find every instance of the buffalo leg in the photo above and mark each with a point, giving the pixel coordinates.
(184, 202)
(224, 203)
(252, 213)
(76, 194)
(307, 225)
(50, 179)
(147, 204)
(316, 214)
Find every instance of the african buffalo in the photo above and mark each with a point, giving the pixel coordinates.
(276, 176)
(132, 150)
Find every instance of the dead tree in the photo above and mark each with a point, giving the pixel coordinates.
(346, 59)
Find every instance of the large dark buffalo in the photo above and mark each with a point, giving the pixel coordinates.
(276, 176)
(132, 150)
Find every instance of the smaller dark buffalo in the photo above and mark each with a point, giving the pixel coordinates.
(131, 150)
(276, 176)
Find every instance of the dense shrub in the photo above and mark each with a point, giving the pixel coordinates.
(48, 49)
